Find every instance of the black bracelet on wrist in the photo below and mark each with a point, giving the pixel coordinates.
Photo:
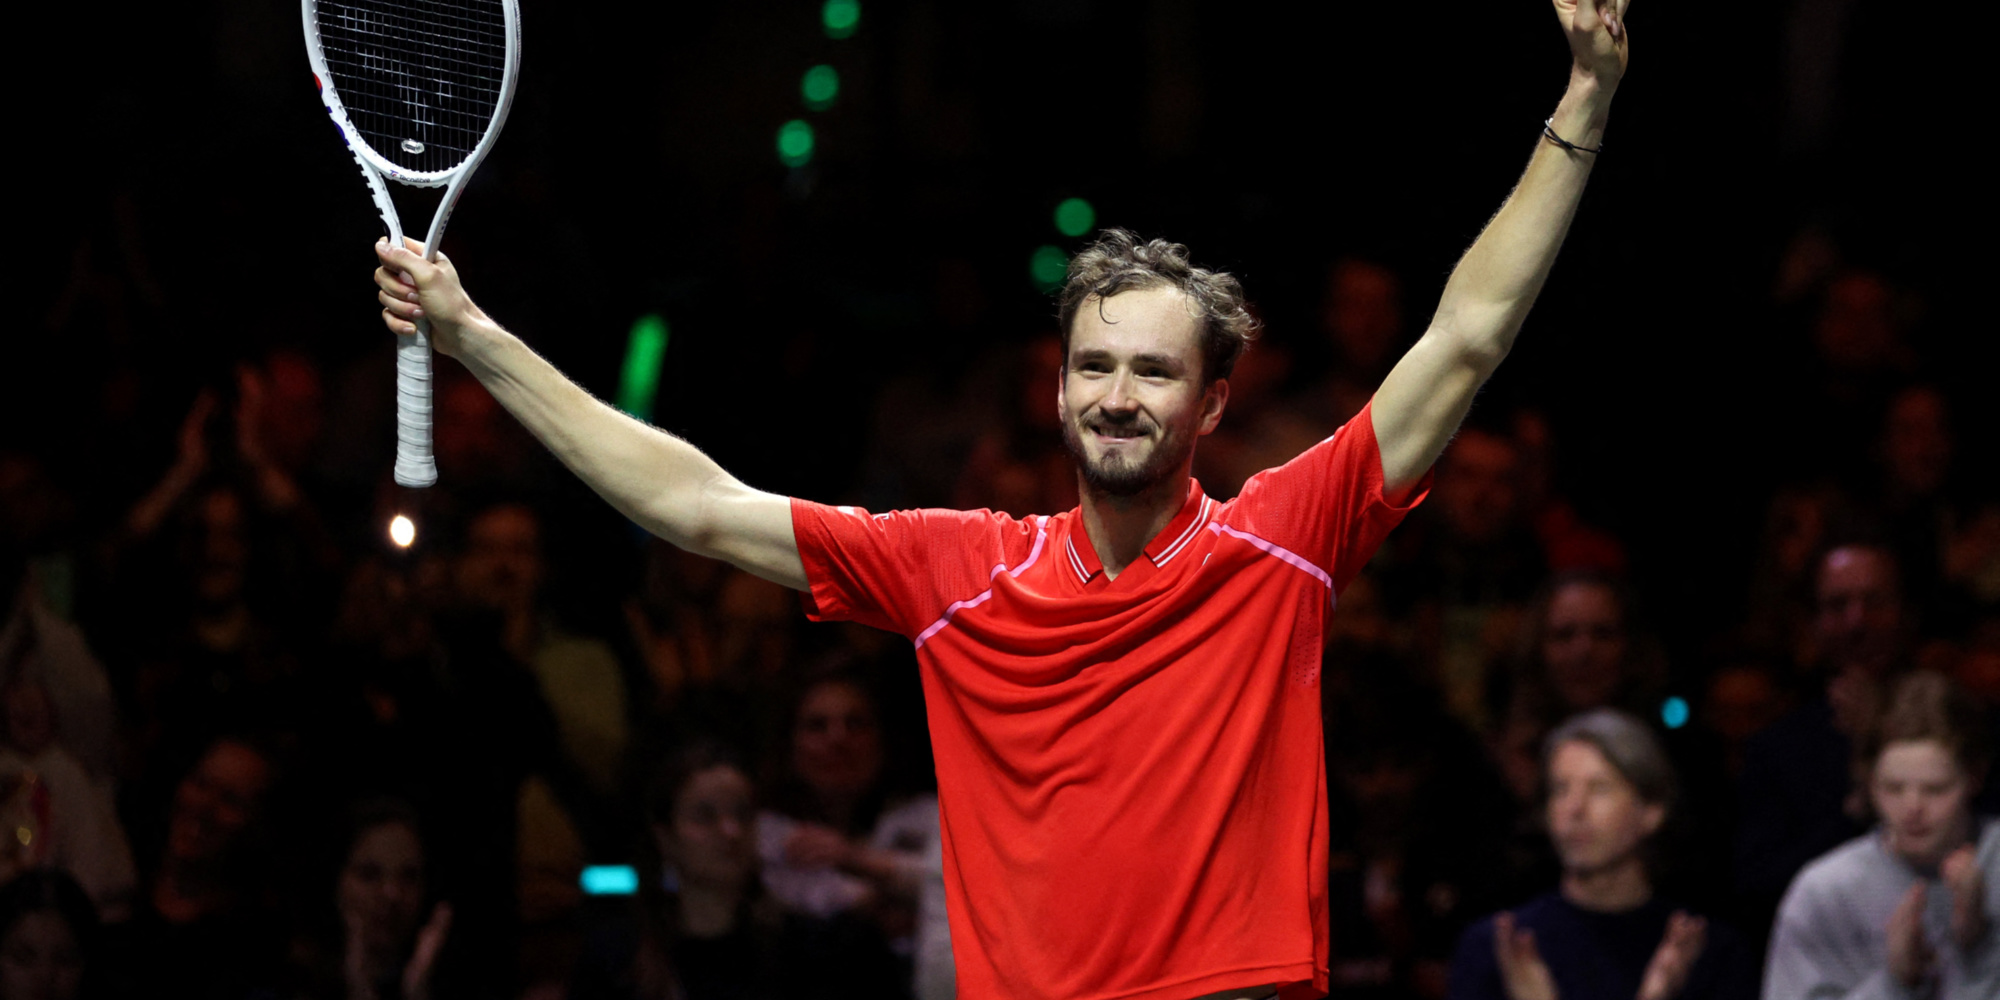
(1549, 132)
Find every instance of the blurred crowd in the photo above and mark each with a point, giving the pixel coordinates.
(253, 747)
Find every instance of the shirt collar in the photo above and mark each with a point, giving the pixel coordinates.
(1170, 542)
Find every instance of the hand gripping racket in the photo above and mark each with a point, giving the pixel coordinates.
(419, 89)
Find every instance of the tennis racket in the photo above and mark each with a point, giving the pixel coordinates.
(419, 90)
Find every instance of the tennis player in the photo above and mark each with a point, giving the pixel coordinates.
(1124, 698)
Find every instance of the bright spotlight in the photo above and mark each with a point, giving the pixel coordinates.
(402, 531)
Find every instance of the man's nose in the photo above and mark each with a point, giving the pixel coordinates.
(1119, 398)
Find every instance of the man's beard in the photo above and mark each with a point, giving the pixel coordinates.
(1117, 476)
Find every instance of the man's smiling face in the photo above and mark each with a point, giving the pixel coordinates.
(1132, 399)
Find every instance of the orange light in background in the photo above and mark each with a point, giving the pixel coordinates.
(402, 531)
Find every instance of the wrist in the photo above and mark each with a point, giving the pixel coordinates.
(478, 339)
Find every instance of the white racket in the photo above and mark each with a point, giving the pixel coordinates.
(419, 89)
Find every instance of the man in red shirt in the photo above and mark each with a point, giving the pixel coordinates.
(1124, 697)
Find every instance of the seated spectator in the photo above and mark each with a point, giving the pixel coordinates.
(853, 871)
(386, 943)
(1605, 933)
(70, 821)
(703, 928)
(48, 938)
(1797, 793)
(205, 926)
(1578, 650)
(1907, 909)
(1464, 569)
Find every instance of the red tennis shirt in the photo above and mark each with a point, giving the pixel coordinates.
(1131, 772)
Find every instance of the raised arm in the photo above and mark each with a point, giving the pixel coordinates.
(659, 481)
(1427, 394)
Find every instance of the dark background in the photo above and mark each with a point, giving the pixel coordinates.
(187, 206)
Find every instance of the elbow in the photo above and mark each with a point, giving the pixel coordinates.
(1477, 346)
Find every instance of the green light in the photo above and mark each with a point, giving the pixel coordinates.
(1048, 266)
(820, 87)
(795, 143)
(1074, 217)
(639, 383)
(841, 17)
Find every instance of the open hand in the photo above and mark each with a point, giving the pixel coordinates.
(430, 940)
(1597, 41)
(1960, 874)
(1910, 956)
(1667, 974)
(412, 288)
(1522, 972)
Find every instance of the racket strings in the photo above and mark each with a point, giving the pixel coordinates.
(421, 79)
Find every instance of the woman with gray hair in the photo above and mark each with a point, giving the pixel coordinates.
(1603, 933)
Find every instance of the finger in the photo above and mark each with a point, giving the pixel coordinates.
(394, 282)
(402, 308)
(1696, 937)
(397, 325)
(404, 259)
(1503, 941)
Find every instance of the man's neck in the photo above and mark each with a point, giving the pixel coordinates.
(1614, 888)
(1121, 527)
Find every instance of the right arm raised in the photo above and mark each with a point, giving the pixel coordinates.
(661, 482)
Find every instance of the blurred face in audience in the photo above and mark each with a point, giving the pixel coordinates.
(711, 840)
(1596, 817)
(1477, 487)
(381, 890)
(40, 959)
(1583, 645)
(1860, 608)
(502, 564)
(217, 802)
(1924, 798)
(224, 555)
(1916, 442)
(836, 741)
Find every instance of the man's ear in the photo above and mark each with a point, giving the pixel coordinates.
(1214, 399)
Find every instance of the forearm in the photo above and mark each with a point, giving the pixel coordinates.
(1496, 282)
(664, 484)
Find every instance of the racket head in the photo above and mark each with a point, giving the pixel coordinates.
(418, 88)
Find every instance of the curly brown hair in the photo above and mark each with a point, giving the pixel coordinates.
(1119, 261)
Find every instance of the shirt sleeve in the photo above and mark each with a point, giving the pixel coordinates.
(1475, 973)
(1811, 958)
(1327, 504)
(896, 571)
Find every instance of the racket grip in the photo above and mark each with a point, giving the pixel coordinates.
(414, 467)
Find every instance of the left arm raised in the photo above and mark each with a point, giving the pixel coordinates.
(1428, 393)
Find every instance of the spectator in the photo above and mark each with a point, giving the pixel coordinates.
(1468, 569)
(830, 848)
(501, 571)
(1578, 650)
(35, 635)
(386, 943)
(48, 939)
(69, 820)
(1415, 828)
(703, 928)
(1605, 933)
(1797, 794)
(1907, 909)
(205, 928)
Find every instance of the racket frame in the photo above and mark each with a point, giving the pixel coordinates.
(415, 466)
